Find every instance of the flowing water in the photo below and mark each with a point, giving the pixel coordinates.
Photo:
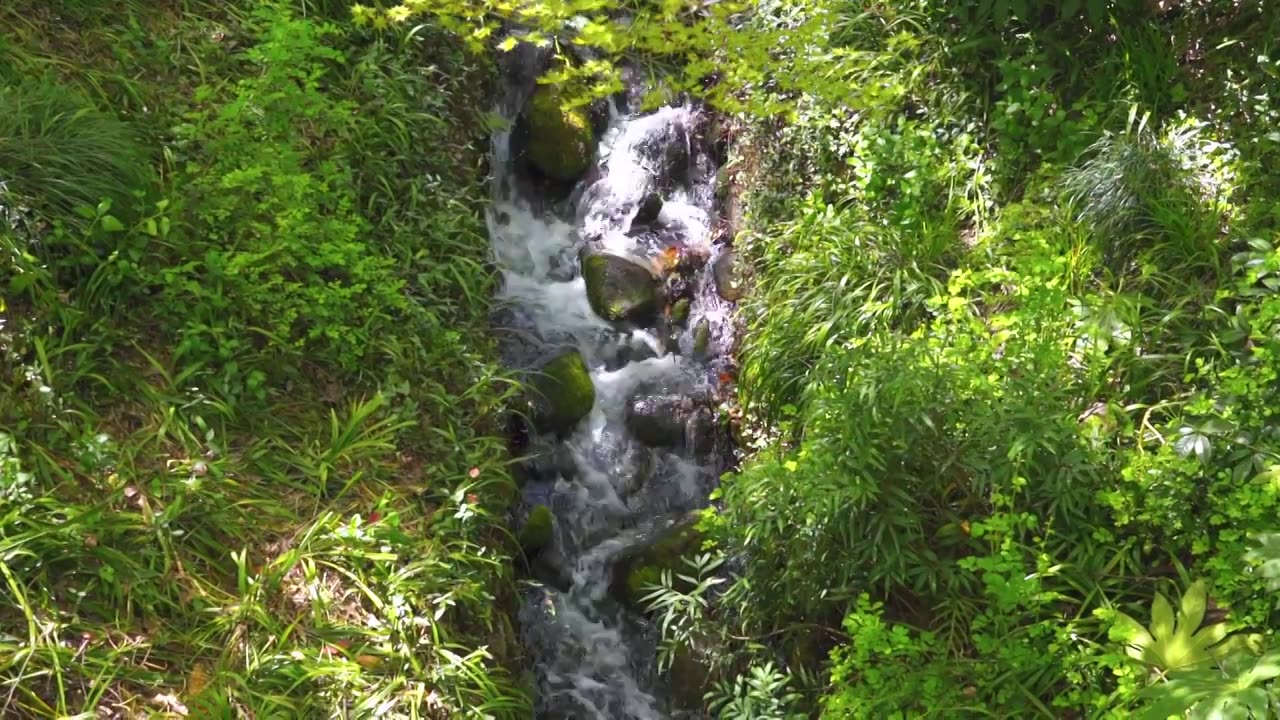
(611, 495)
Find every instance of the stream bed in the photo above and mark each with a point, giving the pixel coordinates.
(610, 468)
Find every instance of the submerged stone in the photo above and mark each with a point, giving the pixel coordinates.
(561, 139)
(680, 311)
(657, 421)
(562, 393)
(701, 337)
(549, 462)
(672, 422)
(620, 288)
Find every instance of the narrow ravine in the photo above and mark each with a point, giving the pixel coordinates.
(609, 302)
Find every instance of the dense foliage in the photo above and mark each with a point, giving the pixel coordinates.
(1010, 355)
(1009, 369)
(249, 462)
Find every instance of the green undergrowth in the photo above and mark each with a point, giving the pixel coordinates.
(1009, 370)
(250, 462)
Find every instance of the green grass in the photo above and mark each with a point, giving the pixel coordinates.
(214, 495)
(1009, 360)
(64, 152)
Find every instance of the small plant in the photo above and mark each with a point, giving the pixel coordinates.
(763, 692)
(682, 601)
(1176, 640)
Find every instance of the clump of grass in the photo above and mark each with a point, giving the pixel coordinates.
(829, 280)
(58, 152)
(1134, 194)
(1115, 190)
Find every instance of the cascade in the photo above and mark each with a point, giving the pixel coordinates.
(651, 447)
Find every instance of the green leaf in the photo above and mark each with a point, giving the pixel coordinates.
(1266, 554)
(1097, 11)
(111, 224)
(1162, 620)
(1193, 605)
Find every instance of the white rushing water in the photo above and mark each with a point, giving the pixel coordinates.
(594, 657)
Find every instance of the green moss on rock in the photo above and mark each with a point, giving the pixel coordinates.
(562, 393)
(619, 288)
(701, 337)
(666, 554)
(680, 311)
(560, 138)
(537, 531)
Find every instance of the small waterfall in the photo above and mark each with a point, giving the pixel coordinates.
(610, 494)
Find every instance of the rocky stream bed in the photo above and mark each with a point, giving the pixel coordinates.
(617, 304)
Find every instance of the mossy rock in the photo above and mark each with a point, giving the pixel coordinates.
(562, 393)
(620, 288)
(702, 337)
(680, 311)
(690, 678)
(561, 140)
(538, 530)
(665, 554)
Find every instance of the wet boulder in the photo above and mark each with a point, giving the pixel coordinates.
(620, 288)
(618, 353)
(672, 422)
(670, 156)
(725, 273)
(562, 393)
(647, 214)
(637, 573)
(560, 138)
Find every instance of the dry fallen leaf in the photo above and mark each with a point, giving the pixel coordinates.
(171, 703)
(198, 679)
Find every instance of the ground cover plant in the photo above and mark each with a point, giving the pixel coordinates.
(249, 453)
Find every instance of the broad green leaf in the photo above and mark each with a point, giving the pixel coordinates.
(1193, 605)
(1162, 619)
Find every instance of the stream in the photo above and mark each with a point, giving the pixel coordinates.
(652, 447)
